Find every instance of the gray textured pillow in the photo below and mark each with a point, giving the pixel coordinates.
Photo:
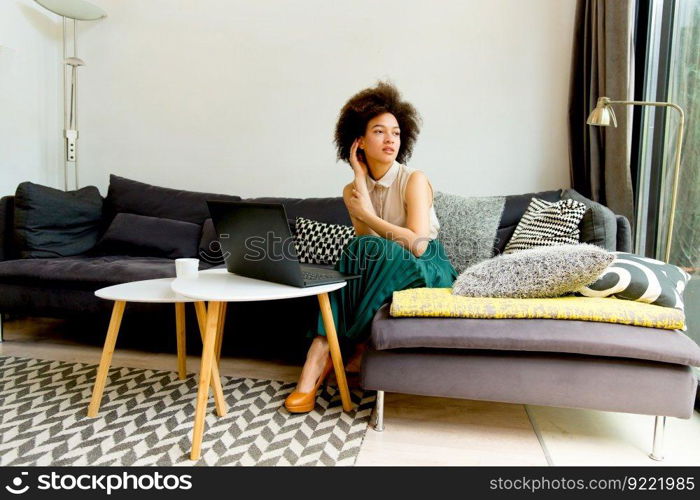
(534, 273)
(468, 227)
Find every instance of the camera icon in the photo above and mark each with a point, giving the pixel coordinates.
(17, 488)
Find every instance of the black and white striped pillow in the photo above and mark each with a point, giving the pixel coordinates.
(319, 242)
(547, 224)
(632, 277)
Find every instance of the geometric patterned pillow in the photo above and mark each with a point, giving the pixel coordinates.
(320, 242)
(632, 277)
(547, 224)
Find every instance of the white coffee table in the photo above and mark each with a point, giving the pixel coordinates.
(218, 286)
(151, 291)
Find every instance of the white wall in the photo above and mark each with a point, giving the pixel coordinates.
(242, 97)
(30, 117)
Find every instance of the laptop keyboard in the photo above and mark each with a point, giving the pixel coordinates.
(308, 275)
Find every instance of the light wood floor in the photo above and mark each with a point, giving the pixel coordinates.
(424, 430)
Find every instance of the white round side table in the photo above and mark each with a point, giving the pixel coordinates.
(151, 291)
(218, 286)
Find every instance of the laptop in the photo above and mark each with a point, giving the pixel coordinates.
(256, 242)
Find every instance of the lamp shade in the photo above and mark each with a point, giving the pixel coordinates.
(603, 114)
(73, 9)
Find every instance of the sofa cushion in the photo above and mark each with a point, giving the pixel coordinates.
(535, 272)
(85, 272)
(126, 195)
(209, 246)
(537, 335)
(513, 211)
(7, 222)
(319, 242)
(329, 210)
(441, 303)
(140, 235)
(468, 227)
(49, 222)
(548, 224)
(624, 234)
(599, 223)
(642, 279)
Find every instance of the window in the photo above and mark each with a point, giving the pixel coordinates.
(670, 71)
(684, 90)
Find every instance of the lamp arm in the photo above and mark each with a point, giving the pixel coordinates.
(652, 103)
(677, 162)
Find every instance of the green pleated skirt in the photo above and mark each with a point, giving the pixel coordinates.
(385, 267)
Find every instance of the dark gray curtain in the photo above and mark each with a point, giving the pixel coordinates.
(602, 65)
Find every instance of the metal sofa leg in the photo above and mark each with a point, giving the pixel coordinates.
(2, 320)
(379, 412)
(657, 451)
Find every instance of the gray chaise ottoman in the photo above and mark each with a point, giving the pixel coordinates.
(577, 364)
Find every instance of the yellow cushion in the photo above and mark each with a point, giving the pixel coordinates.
(439, 302)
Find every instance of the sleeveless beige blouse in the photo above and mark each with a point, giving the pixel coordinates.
(388, 196)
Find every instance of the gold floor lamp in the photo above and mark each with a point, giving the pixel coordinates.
(603, 115)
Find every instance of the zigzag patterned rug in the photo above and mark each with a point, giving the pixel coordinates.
(146, 418)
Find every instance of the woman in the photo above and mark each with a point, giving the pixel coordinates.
(391, 208)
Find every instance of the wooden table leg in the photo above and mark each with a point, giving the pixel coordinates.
(219, 400)
(204, 378)
(181, 344)
(106, 360)
(332, 337)
(220, 333)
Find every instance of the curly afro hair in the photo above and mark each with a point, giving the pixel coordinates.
(371, 102)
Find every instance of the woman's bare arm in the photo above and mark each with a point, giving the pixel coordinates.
(360, 227)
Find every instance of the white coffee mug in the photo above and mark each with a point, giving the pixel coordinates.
(187, 268)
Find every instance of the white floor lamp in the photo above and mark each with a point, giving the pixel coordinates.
(75, 10)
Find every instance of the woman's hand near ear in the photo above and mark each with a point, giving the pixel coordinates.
(358, 166)
(361, 173)
(356, 194)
